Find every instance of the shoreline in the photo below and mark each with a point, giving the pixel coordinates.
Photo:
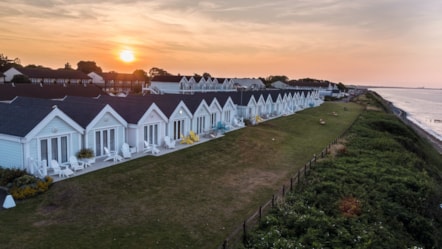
(402, 115)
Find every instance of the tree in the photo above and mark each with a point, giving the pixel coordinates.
(20, 78)
(341, 87)
(68, 66)
(207, 75)
(88, 66)
(140, 73)
(36, 66)
(155, 71)
(6, 63)
(273, 78)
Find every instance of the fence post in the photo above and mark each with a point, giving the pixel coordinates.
(305, 170)
(273, 201)
(314, 156)
(291, 183)
(283, 191)
(260, 213)
(225, 244)
(244, 233)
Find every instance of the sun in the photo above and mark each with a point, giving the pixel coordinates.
(127, 55)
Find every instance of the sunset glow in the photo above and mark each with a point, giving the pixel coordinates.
(395, 42)
(127, 56)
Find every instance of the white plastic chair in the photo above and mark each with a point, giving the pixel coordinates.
(111, 155)
(58, 170)
(125, 150)
(169, 143)
(147, 147)
(75, 164)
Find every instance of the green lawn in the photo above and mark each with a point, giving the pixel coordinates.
(191, 198)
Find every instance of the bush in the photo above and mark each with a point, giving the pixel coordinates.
(27, 186)
(85, 153)
(8, 175)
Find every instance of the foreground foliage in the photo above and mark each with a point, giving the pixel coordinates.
(382, 191)
(22, 185)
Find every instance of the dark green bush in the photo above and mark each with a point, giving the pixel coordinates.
(391, 172)
(8, 175)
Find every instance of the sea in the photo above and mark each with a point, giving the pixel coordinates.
(423, 106)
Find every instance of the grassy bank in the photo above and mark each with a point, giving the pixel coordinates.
(191, 198)
(380, 188)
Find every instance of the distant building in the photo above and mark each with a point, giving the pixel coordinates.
(9, 92)
(325, 88)
(117, 82)
(193, 84)
(48, 76)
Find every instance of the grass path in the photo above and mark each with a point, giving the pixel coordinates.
(191, 198)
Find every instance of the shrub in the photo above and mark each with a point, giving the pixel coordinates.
(8, 175)
(85, 153)
(27, 186)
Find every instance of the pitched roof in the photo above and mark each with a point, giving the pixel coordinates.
(249, 82)
(131, 108)
(82, 110)
(55, 91)
(18, 120)
(121, 76)
(53, 74)
(167, 78)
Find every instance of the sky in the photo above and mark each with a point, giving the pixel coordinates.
(377, 42)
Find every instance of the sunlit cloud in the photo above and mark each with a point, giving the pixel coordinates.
(324, 38)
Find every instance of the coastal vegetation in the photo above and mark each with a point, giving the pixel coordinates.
(191, 198)
(381, 188)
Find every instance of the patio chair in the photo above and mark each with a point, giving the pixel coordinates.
(57, 169)
(170, 144)
(238, 123)
(111, 155)
(147, 147)
(75, 164)
(125, 150)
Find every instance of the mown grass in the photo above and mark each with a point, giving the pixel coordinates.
(191, 198)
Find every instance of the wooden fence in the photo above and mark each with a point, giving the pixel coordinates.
(239, 235)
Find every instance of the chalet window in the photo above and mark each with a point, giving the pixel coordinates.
(55, 148)
(213, 120)
(151, 134)
(178, 128)
(104, 138)
(200, 124)
(227, 116)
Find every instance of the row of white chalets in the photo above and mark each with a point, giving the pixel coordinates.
(34, 130)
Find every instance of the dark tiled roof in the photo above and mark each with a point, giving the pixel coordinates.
(18, 120)
(192, 102)
(131, 108)
(53, 74)
(56, 91)
(82, 110)
(121, 76)
(168, 78)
